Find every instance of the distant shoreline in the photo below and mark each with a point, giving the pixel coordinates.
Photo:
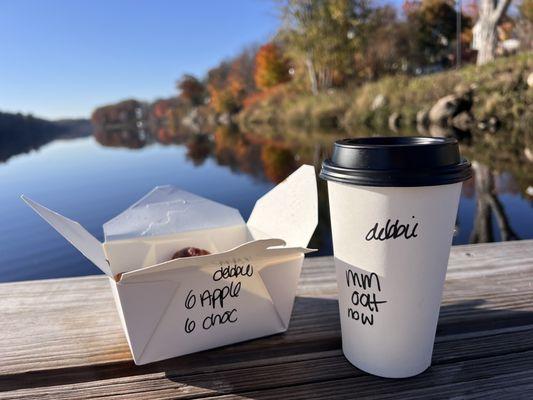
(21, 133)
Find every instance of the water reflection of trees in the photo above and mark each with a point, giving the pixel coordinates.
(500, 166)
(239, 151)
(273, 156)
(128, 136)
(199, 148)
(505, 152)
(254, 154)
(488, 205)
(491, 155)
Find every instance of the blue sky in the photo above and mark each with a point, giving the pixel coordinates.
(63, 58)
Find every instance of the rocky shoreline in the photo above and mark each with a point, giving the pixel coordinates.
(485, 98)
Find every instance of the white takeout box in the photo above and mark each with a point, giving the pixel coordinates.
(244, 289)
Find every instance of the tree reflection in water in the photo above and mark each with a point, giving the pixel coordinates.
(487, 202)
(488, 205)
(126, 136)
(273, 156)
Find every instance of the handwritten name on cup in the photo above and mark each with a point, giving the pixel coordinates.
(364, 301)
(393, 230)
(215, 298)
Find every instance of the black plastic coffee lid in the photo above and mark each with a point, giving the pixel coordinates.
(396, 161)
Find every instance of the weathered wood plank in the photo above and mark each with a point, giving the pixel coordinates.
(328, 377)
(447, 349)
(69, 329)
(97, 338)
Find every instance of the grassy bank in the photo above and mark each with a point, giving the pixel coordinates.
(500, 90)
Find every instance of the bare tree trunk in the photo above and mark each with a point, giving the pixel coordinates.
(487, 42)
(490, 15)
(312, 75)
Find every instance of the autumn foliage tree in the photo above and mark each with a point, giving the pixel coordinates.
(271, 67)
(432, 28)
(386, 50)
(231, 81)
(324, 35)
(224, 88)
(191, 89)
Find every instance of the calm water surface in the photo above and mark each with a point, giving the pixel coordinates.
(92, 180)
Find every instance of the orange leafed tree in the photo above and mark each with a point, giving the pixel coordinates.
(271, 67)
(230, 82)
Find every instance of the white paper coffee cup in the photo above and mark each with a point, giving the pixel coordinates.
(393, 205)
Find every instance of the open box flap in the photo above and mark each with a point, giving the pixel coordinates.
(168, 210)
(76, 234)
(289, 211)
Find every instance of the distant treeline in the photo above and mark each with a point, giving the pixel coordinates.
(123, 113)
(22, 133)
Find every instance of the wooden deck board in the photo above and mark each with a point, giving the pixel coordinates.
(62, 339)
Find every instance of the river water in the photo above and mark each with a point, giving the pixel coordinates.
(92, 179)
